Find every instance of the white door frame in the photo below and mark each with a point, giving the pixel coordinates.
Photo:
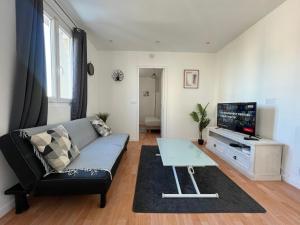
(164, 94)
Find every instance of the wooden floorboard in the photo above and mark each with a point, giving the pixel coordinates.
(281, 201)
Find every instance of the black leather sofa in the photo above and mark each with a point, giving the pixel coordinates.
(95, 151)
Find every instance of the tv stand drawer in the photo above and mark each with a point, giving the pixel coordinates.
(239, 158)
(216, 146)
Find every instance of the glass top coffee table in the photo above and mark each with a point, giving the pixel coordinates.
(183, 153)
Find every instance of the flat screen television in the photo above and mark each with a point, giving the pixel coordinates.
(239, 117)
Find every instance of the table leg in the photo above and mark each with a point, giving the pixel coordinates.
(181, 195)
(176, 179)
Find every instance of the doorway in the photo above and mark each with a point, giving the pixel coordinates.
(150, 101)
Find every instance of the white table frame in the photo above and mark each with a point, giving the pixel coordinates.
(180, 194)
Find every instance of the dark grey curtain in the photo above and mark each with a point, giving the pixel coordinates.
(79, 102)
(30, 102)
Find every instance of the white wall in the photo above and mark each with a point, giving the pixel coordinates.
(7, 60)
(263, 65)
(124, 95)
(147, 103)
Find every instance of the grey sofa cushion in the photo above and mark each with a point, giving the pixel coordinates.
(81, 131)
(115, 139)
(101, 154)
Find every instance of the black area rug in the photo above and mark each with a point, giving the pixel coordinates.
(154, 179)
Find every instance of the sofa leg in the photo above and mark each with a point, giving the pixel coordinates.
(21, 203)
(102, 200)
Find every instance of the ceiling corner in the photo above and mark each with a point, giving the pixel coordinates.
(68, 8)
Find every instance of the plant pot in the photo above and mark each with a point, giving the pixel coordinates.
(200, 141)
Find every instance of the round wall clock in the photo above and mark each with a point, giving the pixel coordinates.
(118, 75)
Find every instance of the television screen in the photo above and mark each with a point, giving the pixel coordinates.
(239, 117)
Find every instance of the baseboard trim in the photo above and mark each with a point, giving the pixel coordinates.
(134, 139)
(6, 207)
(260, 177)
(292, 181)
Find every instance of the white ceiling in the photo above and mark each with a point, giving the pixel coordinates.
(178, 25)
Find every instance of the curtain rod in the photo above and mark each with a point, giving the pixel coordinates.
(67, 15)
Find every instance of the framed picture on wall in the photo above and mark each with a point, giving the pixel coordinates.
(191, 79)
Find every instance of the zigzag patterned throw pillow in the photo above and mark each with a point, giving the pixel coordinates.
(56, 147)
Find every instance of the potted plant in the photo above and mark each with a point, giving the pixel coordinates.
(103, 116)
(200, 116)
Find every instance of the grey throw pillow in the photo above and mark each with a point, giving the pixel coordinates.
(101, 127)
(56, 147)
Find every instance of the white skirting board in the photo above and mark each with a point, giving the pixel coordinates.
(292, 181)
(6, 207)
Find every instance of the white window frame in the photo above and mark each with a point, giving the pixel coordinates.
(56, 24)
(69, 34)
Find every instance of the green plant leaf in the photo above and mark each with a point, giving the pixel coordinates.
(104, 116)
(195, 116)
(206, 106)
(203, 124)
(200, 108)
(201, 117)
(204, 110)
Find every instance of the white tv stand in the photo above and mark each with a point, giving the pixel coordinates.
(258, 160)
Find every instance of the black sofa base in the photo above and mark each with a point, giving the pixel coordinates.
(102, 200)
(21, 201)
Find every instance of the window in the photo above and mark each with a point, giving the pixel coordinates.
(58, 55)
(65, 65)
(47, 37)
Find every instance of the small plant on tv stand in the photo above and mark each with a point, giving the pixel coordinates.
(200, 116)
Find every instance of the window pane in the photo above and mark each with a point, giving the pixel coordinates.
(48, 55)
(65, 59)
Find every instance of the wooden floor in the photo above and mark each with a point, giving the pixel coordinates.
(281, 201)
